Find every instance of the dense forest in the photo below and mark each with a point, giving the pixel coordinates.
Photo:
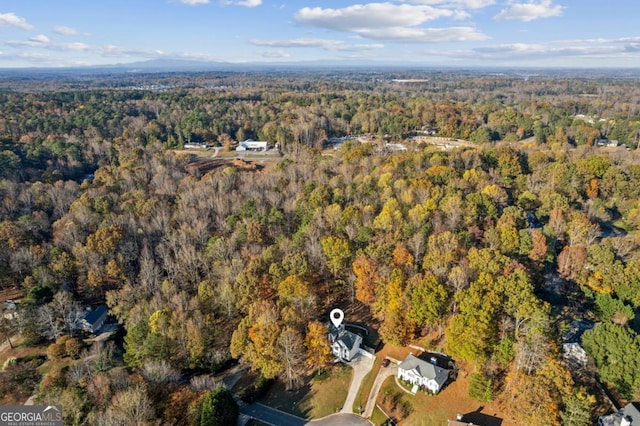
(487, 252)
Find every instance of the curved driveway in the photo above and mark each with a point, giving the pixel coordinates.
(361, 366)
(383, 373)
(271, 416)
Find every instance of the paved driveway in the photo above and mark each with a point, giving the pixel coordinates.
(340, 419)
(361, 366)
(383, 373)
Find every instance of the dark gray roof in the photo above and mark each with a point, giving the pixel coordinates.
(93, 316)
(630, 411)
(576, 330)
(347, 338)
(425, 369)
(633, 412)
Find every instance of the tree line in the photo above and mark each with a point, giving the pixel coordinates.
(461, 246)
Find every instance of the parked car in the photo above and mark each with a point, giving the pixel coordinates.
(385, 362)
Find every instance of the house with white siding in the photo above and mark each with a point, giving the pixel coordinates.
(423, 374)
(251, 145)
(345, 344)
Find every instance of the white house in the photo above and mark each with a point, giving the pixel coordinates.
(629, 415)
(196, 145)
(251, 145)
(607, 142)
(422, 373)
(344, 344)
(94, 319)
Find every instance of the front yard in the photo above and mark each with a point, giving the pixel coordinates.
(317, 398)
(435, 410)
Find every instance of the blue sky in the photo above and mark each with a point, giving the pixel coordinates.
(547, 33)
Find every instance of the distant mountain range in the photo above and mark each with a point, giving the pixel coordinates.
(182, 65)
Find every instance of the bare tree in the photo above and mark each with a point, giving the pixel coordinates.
(132, 406)
(160, 371)
(292, 351)
(60, 316)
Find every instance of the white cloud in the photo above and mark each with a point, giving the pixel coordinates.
(391, 22)
(249, 3)
(71, 46)
(330, 45)
(41, 38)
(43, 42)
(275, 54)
(64, 30)
(14, 21)
(530, 11)
(370, 16)
(245, 3)
(542, 51)
(194, 2)
(456, 4)
(424, 35)
(582, 52)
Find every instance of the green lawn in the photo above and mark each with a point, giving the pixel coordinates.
(435, 410)
(378, 417)
(317, 398)
(365, 388)
(395, 352)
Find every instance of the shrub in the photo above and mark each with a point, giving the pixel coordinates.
(257, 390)
(10, 361)
(392, 404)
(73, 347)
(160, 372)
(480, 387)
(219, 408)
(56, 351)
(204, 382)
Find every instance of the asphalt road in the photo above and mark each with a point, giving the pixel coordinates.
(275, 417)
(340, 419)
(271, 415)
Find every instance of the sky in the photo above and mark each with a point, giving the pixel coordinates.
(455, 33)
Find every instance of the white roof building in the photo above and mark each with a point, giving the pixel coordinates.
(251, 145)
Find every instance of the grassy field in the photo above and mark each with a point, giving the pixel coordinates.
(430, 410)
(316, 398)
(21, 352)
(378, 417)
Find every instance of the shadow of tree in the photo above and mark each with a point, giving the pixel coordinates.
(477, 417)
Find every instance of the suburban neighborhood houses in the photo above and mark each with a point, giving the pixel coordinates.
(345, 344)
(422, 374)
(629, 415)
